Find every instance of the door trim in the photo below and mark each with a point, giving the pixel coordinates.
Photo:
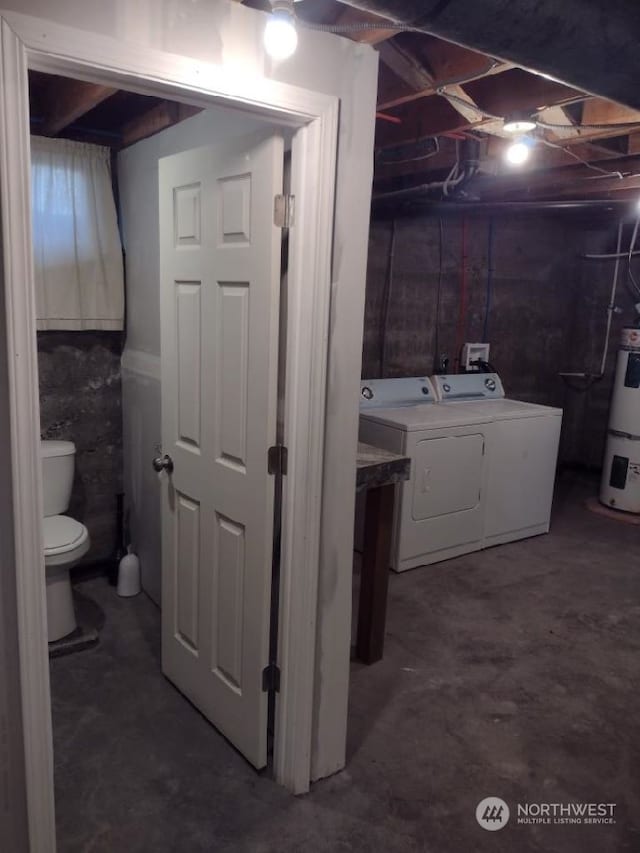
(45, 46)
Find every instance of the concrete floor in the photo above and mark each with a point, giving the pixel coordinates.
(513, 672)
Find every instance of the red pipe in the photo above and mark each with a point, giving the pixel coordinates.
(387, 117)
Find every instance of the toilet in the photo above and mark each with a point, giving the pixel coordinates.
(65, 539)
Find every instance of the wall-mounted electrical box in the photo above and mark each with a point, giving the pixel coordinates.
(472, 354)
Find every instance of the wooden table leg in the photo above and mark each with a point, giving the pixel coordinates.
(374, 574)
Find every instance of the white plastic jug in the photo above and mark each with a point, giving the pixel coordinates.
(129, 575)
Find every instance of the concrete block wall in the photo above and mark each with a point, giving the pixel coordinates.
(81, 401)
(547, 310)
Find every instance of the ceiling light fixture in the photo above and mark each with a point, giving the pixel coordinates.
(280, 34)
(519, 123)
(518, 152)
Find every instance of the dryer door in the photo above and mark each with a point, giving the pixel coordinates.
(442, 505)
(448, 475)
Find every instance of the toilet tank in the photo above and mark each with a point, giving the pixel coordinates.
(58, 459)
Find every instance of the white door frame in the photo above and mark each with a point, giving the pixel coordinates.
(42, 45)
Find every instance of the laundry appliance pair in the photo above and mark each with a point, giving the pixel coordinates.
(482, 465)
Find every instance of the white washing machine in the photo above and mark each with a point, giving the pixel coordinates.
(483, 467)
(440, 509)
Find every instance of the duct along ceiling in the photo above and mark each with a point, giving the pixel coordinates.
(452, 71)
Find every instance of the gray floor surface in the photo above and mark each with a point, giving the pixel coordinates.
(513, 672)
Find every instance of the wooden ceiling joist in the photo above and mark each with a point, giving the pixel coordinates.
(513, 90)
(68, 100)
(405, 66)
(600, 119)
(156, 119)
(469, 66)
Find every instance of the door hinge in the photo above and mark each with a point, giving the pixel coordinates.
(271, 678)
(277, 459)
(284, 211)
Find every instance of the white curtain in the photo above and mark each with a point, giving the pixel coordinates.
(76, 243)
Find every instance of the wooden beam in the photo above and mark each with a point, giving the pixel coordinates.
(66, 100)
(405, 66)
(435, 117)
(517, 89)
(513, 90)
(634, 143)
(164, 115)
(446, 63)
(451, 61)
(595, 111)
(601, 111)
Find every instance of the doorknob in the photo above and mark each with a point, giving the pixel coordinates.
(163, 463)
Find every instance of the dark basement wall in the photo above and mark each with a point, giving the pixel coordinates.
(80, 401)
(547, 309)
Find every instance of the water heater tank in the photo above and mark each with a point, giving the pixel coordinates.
(620, 487)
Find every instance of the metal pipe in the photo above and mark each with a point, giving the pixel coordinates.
(609, 257)
(612, 302)
(440, 208)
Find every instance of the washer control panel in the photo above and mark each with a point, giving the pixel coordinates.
(468, 386)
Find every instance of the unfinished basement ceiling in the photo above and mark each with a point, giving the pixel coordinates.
(88, 112)
(440, 103)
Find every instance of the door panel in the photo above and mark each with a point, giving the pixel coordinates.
(188, 345)
(220, 280)
(187, 571)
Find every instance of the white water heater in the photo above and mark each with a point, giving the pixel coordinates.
(620, 487)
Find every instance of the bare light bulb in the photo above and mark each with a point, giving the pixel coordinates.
(517, 153)
(280, 35)
(518, 125)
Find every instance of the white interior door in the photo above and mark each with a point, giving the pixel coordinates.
(220, 280)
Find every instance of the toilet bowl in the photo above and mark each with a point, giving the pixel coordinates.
(65, 540)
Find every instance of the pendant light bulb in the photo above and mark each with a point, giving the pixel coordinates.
(280, 34)
(518, 152)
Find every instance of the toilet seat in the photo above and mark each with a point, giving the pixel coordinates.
(65, 540)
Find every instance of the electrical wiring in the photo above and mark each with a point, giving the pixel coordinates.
(390, 161)
(460, 81)
(607, 172)
(441, 90)
(634, 283)
(548, 125)
(611, 307)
